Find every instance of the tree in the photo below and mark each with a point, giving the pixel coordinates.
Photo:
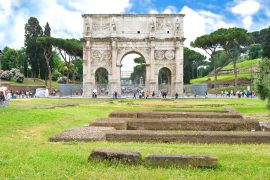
(192, 61)
(263, 81)
(33, 51)
(138, 70)
(233, 41)
(222, 59)
(69, 49)
(266, 45)
(210, 44)
(255, 51)
(9, 59)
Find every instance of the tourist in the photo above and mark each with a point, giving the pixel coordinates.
(146, 94)
(176, 95)
(153, 94)
(115, 94)
(2, 98)
(205, 94)
(134, 94)
(8, 97)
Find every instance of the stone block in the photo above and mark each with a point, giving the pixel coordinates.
(231, 137)
(82, 134)
(178, 160)
(115, 156)
(118, 124)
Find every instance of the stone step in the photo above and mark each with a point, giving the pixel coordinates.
(179, 160)
(163, 115)
(232, 137)
(115, 156)
(118, 124)
(198, 124)
(200, 111)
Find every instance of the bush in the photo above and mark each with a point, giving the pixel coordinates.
(56, 75)
(62, 80)
(19, 77)
(6, 75)
(14, 71)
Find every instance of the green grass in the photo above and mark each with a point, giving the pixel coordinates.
(244, 72)
(31, 82)
(223, 77)
(26, 153)
(244, 64)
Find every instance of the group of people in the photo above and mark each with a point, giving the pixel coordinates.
(239, 94)
(5, 98)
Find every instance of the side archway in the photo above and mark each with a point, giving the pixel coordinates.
(102, 81)
(165, 80)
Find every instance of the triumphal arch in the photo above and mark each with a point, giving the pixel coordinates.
(158, 38)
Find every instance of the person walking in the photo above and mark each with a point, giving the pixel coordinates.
(146, 94)
(2, 98)
(8, 97)
(176, 95)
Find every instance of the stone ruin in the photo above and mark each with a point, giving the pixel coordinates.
(225, 126)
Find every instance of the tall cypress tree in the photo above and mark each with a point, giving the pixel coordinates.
(33, 51)
(43, 66)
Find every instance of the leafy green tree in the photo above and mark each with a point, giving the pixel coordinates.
(79, 68)
(255, 51)
(222, 59)
(266, 45)
(138, 70)
(192, 61)
(210, 43)
(233, 41)
(33, 51)
(263, 81)
(9, 59)
(101, 76)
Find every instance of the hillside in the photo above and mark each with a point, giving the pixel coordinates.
(30, 82)
(246, 69)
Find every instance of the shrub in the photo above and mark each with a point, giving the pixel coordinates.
(19, 77)
(62, 80)
(6, 75)
(56, 75)
(14, 71)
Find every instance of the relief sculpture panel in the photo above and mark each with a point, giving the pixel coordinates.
(164, 55)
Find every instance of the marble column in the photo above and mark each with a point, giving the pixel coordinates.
(152, 83)
(87, 84)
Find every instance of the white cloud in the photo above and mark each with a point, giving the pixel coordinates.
(247, 21)
(153, 11)
(170, 10)
(246, 8)
(65, 22)
(101, 6)
(194, 24)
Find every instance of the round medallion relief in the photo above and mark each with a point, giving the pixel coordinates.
(169, 54)
(96, 55)
(159, 55)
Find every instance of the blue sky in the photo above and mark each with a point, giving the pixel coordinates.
(64, 16)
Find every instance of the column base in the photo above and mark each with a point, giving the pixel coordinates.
(87, 89)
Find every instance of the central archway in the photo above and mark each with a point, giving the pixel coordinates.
(133, 74)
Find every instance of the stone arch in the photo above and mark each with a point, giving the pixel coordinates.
(102, 88)
(168, 86)
(130, 51)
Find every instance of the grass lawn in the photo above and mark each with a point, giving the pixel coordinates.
(26, 153)
(32, 82)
